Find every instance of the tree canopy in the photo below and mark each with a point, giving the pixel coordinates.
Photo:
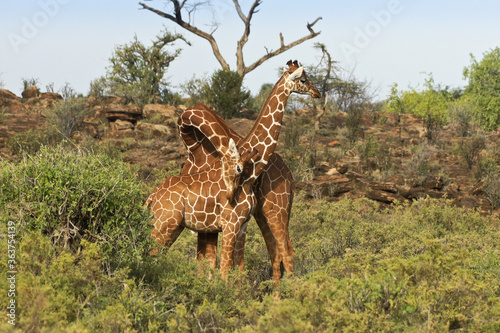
(137, 71)
(483, 89)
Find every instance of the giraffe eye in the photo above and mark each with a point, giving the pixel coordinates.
(238, 169)
(303, 80)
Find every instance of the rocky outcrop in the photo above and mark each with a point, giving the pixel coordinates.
(130, 113)
(31, 92)
(325, 186)
(8, 98)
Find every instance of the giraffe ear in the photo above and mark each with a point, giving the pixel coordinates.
(295, 75)
(233, 148)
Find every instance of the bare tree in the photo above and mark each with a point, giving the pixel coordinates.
(327, 77)
(183, 7)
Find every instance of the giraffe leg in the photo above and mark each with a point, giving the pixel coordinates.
(207, 248)
(239, 249)
(277, 221)
(229, 234)
(167, 228)
(261, 220)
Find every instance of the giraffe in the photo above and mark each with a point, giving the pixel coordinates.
(259, 144)
(180, 197)
(273, 189)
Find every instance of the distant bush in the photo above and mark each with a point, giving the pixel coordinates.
(30, 82)
(470, 149)
(226, 94)
(431, 104)
(492, 188)
(300, 157)
(74, 195)
(31, 141)
(462, 118)
(421, 163)
(66, 116)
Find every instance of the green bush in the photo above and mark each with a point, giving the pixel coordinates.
(430, 104)
(74, 195)
(470, 149)
(483, 89)
(225, 93)
(428, 266)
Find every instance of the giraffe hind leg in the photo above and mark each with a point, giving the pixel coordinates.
(272, 249)
(167, 228)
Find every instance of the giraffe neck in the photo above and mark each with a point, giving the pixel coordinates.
(265, 132)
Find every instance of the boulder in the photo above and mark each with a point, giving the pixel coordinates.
(383, 196)
(155, 129)
(51, 96)
(342, 167)
(31, 92)
(7, 94)
(333, 144)
(122, 125)
(386, 187)
(113, 99)
(150, 110)
(130, 113)
(434, 182)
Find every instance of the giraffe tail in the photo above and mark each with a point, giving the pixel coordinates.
(148, 201)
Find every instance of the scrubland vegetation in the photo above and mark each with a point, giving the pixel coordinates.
(82, 245)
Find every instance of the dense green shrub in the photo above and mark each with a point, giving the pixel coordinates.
(70, 195)
(430, 104)
(483, 89)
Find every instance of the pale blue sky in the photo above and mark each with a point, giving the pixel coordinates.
(387, 41)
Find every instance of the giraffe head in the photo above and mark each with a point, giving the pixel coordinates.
(297, 80)
(233, 165)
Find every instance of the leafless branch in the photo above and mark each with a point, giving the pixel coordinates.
(284, 47)
(240, 63)
(176, 16)
(179, 20)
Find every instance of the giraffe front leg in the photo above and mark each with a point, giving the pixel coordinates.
(239, 250)
(229, 234)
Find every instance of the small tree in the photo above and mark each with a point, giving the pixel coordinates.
(484, 88)
(138, 71)
(225, 93)
(325, 77)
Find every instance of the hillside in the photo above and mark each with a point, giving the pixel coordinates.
(390, 159)
(391, 232)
